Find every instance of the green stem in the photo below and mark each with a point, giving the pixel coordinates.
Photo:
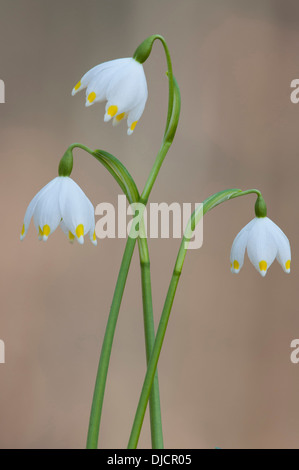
(149, 329)
(98, 397)
(208, 204)
(124, 180)
(99, 390)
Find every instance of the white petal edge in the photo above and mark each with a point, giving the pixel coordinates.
(261, 246)
(239, 246)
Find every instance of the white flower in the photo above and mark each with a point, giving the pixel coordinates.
(61, 202)
(264, 242)
(123, 84)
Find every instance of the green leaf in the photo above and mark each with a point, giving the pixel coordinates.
(218, 198)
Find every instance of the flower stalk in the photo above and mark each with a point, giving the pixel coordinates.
(156, 427)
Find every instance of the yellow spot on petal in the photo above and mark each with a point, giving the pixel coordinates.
(46, 230)
(23, 230)
(71, 237)
(91, 97)
(80, 231)
(288, 264)
(40, 232)
(94, 236)
(133, 125)
(112, 110)
(236, 264)
(78, 85)
(263, 265)
(231, 265)
(119, 117)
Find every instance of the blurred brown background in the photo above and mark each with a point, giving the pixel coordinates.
(225, 372)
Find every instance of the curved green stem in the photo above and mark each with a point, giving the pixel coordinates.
(208, 204)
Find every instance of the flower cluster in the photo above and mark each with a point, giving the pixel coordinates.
(61, 202)
(122, 83)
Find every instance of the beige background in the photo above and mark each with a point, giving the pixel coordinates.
(225, 371)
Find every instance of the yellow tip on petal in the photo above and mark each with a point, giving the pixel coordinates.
(22, 233)
(71, 237)
(119, 117)
(236, 265)
(91, 97)
(131, 128)
(45, 233)
(40, 234)
(46, 230)
(133, 125)
(76, 87)
(263, 265)
(112, 110)
(288, 265)
(94, 239)
(80, 230)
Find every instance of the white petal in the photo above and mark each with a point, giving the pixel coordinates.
(100, 80)
(239, 246)
(90, 75)
(283, 246)
(47, 214)
(68, 233)
(92, 233)
(32, 205)
(99, 85)
(76, 209)
(261, 246)
(128, 88)
(134, 117)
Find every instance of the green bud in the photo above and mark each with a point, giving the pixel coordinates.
(66, 163)
(144, 49)
(260, 207)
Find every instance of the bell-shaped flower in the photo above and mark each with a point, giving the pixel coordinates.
(61, 202)
(264, 242)
(122, 83)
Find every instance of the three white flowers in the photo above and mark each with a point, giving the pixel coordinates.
(123, 84)
(61, 202)
(264, 241)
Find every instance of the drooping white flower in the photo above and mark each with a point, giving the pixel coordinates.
(264, 241)
(61, 202)
(123, 84)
